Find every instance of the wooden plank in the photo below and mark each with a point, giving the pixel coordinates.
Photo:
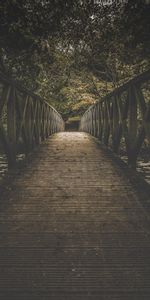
(74, 228)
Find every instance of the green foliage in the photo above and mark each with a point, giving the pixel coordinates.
(73, 52)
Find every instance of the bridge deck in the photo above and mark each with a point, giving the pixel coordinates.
(72, 227)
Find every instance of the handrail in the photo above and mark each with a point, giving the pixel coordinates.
(123, 115)
(25, 119)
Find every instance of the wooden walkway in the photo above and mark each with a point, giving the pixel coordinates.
(72, 227)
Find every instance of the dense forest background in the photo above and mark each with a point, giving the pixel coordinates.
(73, 52)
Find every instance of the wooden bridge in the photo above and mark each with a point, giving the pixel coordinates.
(72, 224)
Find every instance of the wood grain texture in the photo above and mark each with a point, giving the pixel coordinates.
(72, 227)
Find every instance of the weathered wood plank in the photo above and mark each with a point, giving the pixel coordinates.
(72, 227)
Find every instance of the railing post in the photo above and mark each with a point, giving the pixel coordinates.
(117, 127)
(106, 124)
(96, 120)
(101, 123)
(36, 120)
(28, 126)
(11, 128)
(132, 156)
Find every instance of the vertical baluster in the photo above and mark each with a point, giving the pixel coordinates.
(96, 120)
(28, 125)
(36, 122)
(106, 124)
(115, 123)
(42, 122)
(49, 125)
(117, 127)
(3, 136)
(93, 120)
(50, 120)
(46, 120)
(101, 121)
(11, 128)
(33, 113)
(132, 119)
(111, 119)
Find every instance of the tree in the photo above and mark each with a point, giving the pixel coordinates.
(44, 42)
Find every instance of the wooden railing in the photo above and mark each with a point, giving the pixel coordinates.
(122, 117)
(25, 120)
